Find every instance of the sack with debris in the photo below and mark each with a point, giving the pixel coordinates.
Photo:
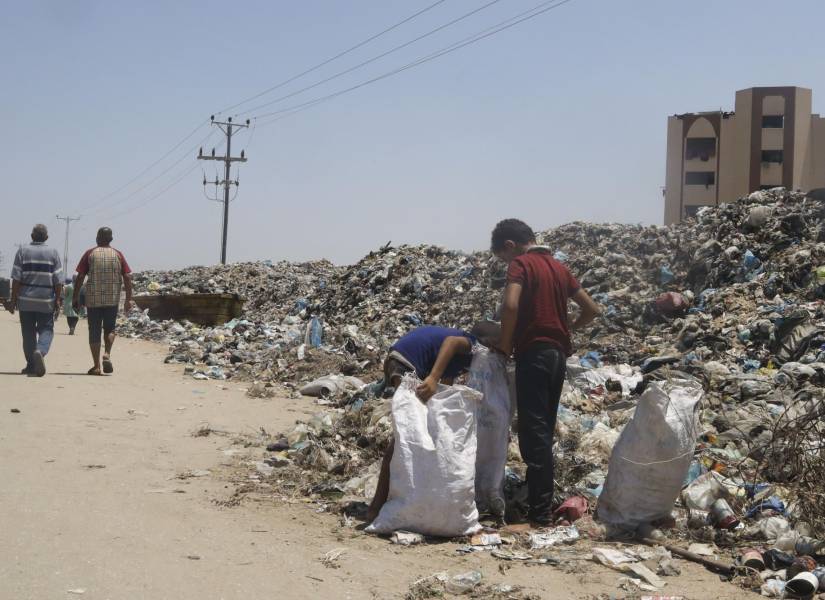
(649, 462)
(432, 473)
(488, 375)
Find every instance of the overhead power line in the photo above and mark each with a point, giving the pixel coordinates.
(137, 191)
(375, 58)
(333, 58)
(102, 199)
(532, 13)
(153, 197)
(529, 14)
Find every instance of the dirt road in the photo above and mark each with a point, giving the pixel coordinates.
(106, 494)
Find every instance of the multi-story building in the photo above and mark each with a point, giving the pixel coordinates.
(772, 139)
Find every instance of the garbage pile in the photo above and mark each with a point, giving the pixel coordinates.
(308, 320)
(731, 301)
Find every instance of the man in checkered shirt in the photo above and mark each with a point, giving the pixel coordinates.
(105, 271)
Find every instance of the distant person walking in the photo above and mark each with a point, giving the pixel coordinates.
(105, 271)
(72, 315)
(37, 285)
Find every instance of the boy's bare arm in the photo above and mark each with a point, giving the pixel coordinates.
(451, 346)
(509, 316)
(589, 310)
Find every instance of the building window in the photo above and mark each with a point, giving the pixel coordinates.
(773, 122)
(772, 156)
(690, 211)
(703, 148)
(705, 178)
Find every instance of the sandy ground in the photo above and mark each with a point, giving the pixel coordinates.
(92, 506)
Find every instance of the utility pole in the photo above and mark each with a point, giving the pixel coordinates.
(66, 242)
(228, 128)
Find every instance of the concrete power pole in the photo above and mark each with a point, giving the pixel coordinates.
(66, 242)
(228, 128)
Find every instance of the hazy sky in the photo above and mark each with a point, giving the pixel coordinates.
(558, 119)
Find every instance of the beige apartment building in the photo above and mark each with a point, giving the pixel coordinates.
(771, 139)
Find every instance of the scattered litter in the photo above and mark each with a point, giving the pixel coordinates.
(193, 473)
(554, 537)
(464, 583)
(626, 563)
(406, 538)
(330, 559)
(702, 549)
(260, 389)
(486, 539)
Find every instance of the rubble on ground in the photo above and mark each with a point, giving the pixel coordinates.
(731, 299)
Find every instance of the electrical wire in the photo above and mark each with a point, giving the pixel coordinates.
(336, 57)
(157, 177)
(104, 198)
(144, 171)
(153, 197)
(374, 58)
(529, 14)
(536, 11)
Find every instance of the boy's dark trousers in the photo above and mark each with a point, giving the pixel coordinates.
(540, 372)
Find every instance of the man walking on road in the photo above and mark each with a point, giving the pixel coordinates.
(37, 277)
(105, 271)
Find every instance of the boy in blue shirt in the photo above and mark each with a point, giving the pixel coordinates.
(436, 355)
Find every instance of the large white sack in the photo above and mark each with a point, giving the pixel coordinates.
(649, 462)
(432, 472)
(488, 375)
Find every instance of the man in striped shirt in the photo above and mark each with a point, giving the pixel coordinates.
(37, 277)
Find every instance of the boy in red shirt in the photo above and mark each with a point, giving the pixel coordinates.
(535, 325)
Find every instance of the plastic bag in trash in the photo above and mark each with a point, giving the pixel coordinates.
(432, 472)
(706, 489)
(652, 456)
(332, 385)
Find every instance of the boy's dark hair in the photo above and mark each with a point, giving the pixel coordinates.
(511, 229)
(487, 332)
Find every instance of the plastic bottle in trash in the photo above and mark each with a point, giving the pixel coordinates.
(463, 583)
